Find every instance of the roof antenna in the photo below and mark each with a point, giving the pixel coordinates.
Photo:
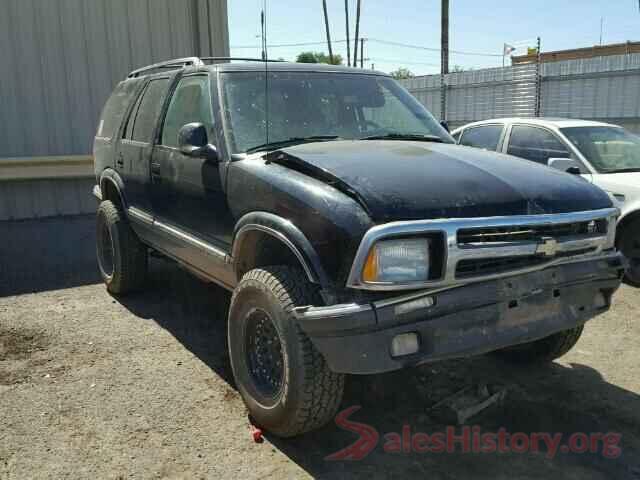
(263, 21)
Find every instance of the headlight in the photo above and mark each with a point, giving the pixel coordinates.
(398, 261)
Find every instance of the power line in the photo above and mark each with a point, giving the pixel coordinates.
(284, 45)
(375, 40)
(432, 49)
(408, 62)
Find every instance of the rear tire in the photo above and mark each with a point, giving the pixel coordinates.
(284, 381)
(122, 257)
(544, 350)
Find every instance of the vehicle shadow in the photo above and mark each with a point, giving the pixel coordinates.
(552, 398)
(47, 254)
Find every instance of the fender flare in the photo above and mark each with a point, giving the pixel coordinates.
(285, 232)
(111, 176)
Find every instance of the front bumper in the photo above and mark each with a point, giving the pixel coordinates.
(463, 321)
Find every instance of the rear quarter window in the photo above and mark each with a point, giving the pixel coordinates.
(115, 108)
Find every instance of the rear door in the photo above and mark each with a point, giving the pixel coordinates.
(134, 155)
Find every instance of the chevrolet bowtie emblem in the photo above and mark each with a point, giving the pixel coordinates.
(547, 247)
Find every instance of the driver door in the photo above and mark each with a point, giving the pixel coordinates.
(188, 199)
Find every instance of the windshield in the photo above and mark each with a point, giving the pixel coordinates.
(608, 149)
(320, 104)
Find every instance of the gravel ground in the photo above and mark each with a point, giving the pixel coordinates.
(93, 386)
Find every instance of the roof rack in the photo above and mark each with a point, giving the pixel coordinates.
(175, 63)
(239, 59)
(191, 62)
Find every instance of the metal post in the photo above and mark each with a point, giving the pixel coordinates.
(443, 99)
(326, 24)
(355, 43)
(346, 16)
(444, 37)
(538, 78)
(362, 53)
(444, 57)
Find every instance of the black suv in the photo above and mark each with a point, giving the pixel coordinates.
(355, 235)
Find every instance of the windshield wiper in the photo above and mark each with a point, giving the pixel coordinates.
(405, 136)
(622, 170)
(292, 141)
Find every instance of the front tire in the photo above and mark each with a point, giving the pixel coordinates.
(122, 257)
(284, 381)
(544, 350)
(629, 245)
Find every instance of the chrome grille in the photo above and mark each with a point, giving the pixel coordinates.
(519, 233)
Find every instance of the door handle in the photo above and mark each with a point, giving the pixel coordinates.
(155, 169)
(120, 160)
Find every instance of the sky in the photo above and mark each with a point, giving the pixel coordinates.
(476, 26)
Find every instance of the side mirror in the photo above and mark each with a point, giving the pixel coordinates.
(192, 141)
(565, 165)
(445, 125)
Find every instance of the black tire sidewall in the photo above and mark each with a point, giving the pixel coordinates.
(630, 235)
(270, 414)
(109, 215)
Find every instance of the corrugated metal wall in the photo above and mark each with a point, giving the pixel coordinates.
(59, 61)
(601, 88)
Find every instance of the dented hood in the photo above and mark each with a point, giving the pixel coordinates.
(404, 180)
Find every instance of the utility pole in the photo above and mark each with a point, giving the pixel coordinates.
(355, 46)
(601, 29)
(444, 57)
(326, 24)
(263, 35)
(444, 32)
(346, 16)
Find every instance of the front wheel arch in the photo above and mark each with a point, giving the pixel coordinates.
(284, 237)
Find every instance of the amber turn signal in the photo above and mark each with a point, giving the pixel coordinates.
(370, 271)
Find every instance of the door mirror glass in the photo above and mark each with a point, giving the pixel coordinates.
(192, 141)
(565, 165)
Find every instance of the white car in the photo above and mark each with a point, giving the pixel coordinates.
(604, 154)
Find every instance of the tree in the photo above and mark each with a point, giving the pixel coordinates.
(318, 57)
(401, 73)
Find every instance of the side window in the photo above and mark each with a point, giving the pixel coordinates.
(535, 144)
(191, 102)
(115, 108)
(486, 137)
(147, 111)
(127, 132)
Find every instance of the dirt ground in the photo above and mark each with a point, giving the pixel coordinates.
(93, 386)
